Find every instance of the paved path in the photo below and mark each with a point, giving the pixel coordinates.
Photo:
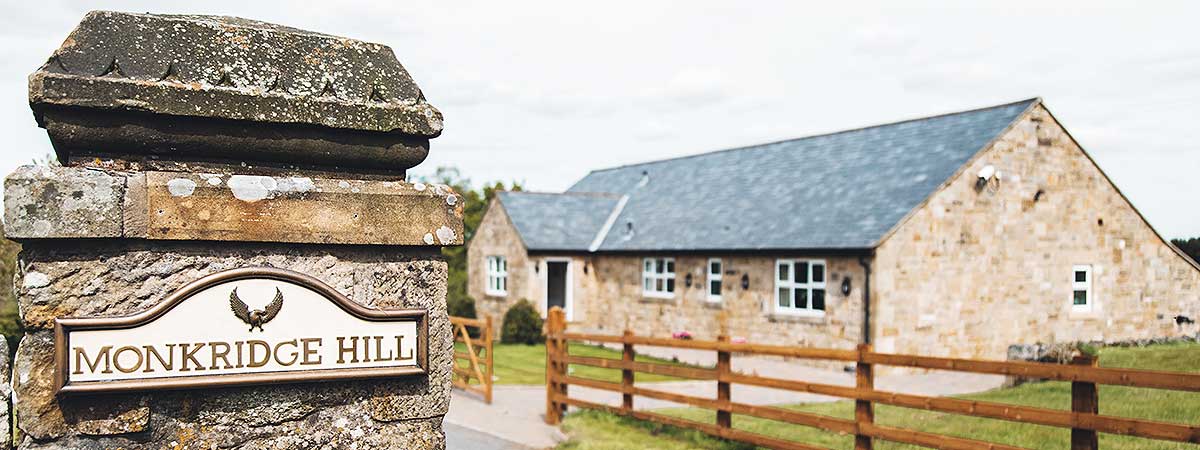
(462, 438)
(516, 411)
(515, 415)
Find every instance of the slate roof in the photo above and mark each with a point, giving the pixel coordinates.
(838, 191)
(558, 221)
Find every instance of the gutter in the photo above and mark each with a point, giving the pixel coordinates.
(866, 337)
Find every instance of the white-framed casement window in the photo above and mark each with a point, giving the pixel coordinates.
(1081, 288)
(714, 279)
(800, 286)
(658, 277)
(497, 276)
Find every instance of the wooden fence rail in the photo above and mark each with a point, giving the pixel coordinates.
(477, 357)
(1084, 419)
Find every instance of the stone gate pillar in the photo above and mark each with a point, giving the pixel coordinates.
(222, 174)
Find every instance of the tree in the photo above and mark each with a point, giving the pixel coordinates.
(1189, 246)
(10, 320)
(475, 203)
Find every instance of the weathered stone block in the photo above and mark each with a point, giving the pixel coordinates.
(76, 202)
(216, 86)
(182, 206)
(5, 395)
(60, 202)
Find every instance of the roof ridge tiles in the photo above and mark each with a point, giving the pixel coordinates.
(1030, 100)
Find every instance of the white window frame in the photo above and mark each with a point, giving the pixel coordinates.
(497, 276)
(714, 278)
(1085, 286)
(791, 284)
(651, 277)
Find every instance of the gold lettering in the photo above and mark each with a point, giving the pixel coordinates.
(295, 354)
(266, 353)
(400, 349)
(379, 350)
(238, 344)
(366, 341)
(223, 354)
(166, 365)
(310, 351)
(81, 358)
(116, 359)
(342, 349)
(190, 355)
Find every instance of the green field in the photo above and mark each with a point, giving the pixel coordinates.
(526, 364)
(594, 431)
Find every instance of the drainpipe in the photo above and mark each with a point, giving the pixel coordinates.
(866, 338)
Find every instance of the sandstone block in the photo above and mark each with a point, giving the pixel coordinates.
(76, 202)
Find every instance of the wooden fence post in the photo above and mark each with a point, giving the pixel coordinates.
(1084, 399)
(563, 351)
(724, 368)
(627, 355)
(864, 412)
(555, 325)
(491, 370)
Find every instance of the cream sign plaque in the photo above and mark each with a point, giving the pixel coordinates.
(243, 326)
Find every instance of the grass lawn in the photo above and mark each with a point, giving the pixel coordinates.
(593, 430)
(526, 364)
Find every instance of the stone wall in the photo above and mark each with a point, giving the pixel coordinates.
(974, 271)
(618, 302)
(106, 278)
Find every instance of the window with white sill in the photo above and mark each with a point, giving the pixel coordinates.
(497, 276)
(715, 267)
(658, 277)
(1081, 288)
(800, 287)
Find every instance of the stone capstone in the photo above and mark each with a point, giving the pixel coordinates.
(193, 86)
(76, 202)
(118, 278)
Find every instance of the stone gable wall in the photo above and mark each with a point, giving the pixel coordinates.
(972, 272)
(496, 236)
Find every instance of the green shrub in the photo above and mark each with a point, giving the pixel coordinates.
(464, 306)
(461, 307)
(522, 325)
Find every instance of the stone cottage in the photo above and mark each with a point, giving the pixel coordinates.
(953, 235)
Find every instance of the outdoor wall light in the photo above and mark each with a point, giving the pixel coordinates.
(745, 281)
(687, 280)
(846, 285)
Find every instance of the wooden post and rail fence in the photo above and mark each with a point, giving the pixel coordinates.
(477, 358)
(1084, 419)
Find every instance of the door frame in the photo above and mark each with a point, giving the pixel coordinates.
(569, 300)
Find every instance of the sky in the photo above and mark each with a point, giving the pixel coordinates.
(541, 92)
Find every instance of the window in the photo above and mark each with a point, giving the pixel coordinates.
(714, 279)
(497, 276)
(800, 286)
(1081, 288)
(658, 277)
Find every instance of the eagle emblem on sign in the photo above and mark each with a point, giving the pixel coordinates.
(259, 317)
